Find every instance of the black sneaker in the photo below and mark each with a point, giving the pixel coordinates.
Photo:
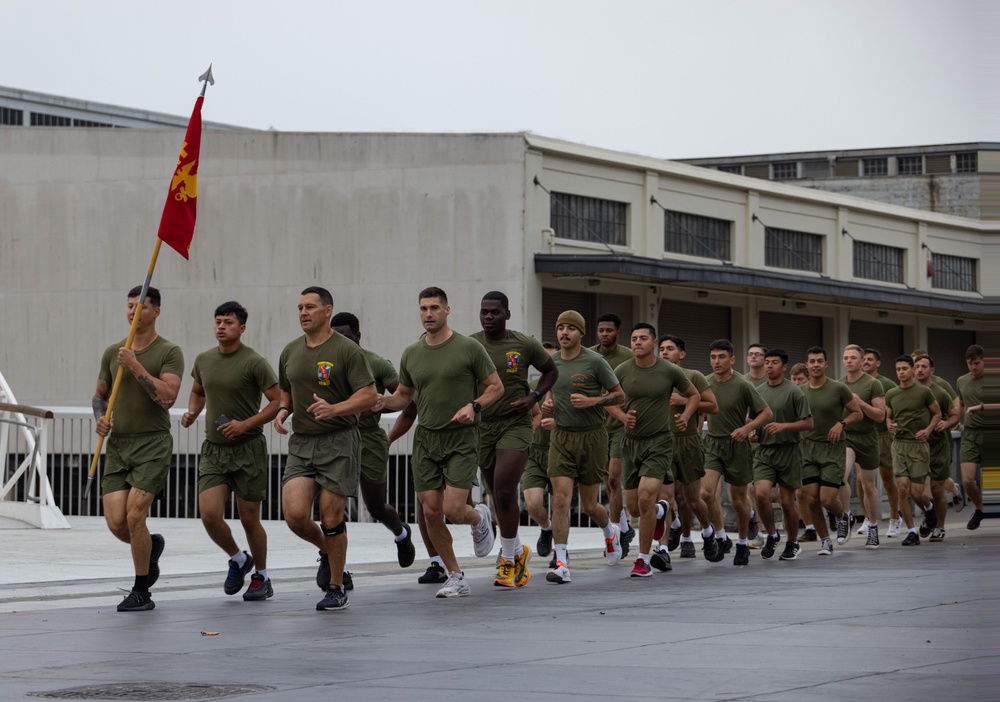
(752, 528)
(323, 572)
(718, 553)
(626, 539)
(136, 601)
(237, 575)
(808, 535)
(930, 517)
(674, 539)
(687, 549)
(872, 543)
(791, 551)
(976, 520)
(767, 553)
(843, 530)
(543, 547)
(335, 600)
(434, 575)
(937, 534)
(742, 557)
(155, 551)
(925, 527)
(661, 561)
(911, 539)
(405, 553)
(260, 589)
(832, 521)
(348, 580)
(725, 546)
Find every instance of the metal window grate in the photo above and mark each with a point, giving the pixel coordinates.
(875, 166)
(954, 273)
(40, 119)
(738, 170)
(910, 165)
(588, 219)
(786, 248)
(9, 115)
(695, 235)
(967, 162)
(89, 123)
(878, 262)
(785, 170)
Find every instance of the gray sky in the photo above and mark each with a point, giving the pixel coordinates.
(666, 79)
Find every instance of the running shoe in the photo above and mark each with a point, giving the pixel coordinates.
(976, 520)
(661, 561)
(925, 527)
(843, 530)
(640, 569)
(752, 527)
(613, 546)
(863, 529)
(434, 575)
(767, 553)
(482, 535)
(674, 539)
(521, 573)
(894, 526)
(742, 556)
(237, 575)
(405, 552)
(911, 539)
(260, 589)
(808, 535)
(937, 534)
(323, 572)
(826, 548)
(726, 545)
(454, 586)
(758, 541)
(718, 553)
(155, 551)
(336, 600)
(348, 580)
(687, 549)
(559, 574)
(505, 574)
(930, 517)
(136, 601)
(544, 544)
(661, 524)
(791, 551)
(626, 540)
(872, 543)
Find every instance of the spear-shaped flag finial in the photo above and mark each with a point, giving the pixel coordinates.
(207, 79)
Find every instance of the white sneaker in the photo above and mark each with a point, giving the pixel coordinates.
(482, 533)
(758, 541)
(559, 574)
(894, 526)
(613, 547)
(863, 529)
(454, 586)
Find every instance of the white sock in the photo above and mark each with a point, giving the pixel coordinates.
(240, 558)
(721, 534)
(623, 521)
(508, 548)
(561, 552)
(706, 533)
(660, 512)
(546, 529)
(644, 557)
(401, 536)
(264, 573)
(664, 549)
(676, 524)
(437, 559)
(775, 536)
(742, 542)
(608, 530)
(810, 527)
(687, 539)
(913, 530)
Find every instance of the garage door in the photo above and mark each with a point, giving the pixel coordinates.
(887, 339)
(698, 325)
(947, 348)
(794, 333)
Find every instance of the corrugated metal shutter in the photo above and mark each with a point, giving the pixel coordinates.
(794, 333)
(847, 167)
(887, 339)
(555, 302)
(755, 170)
(816, 169)
(937, 163)
(947, 348)
(621, 305)
(699, 325)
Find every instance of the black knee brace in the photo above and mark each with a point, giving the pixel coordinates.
(335, 531)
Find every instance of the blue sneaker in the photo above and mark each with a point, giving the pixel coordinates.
(237, 575)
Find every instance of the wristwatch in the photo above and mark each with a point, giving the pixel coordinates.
(476, 407)
(538, 395)
(843, 423)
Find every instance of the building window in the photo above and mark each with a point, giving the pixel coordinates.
(694, 235)
(954, 273)
(877, 262)
(738, 170)
(785, 170)
(40, 119)
(910, 165)
(89, 123)
(875, 166)
(588, 219)
(967, 163)
(11, 116)
(800, 251)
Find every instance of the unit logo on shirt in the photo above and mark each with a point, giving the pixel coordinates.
(513, 361)
(323, 371)
(580, 380)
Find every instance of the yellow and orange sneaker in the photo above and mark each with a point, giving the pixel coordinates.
(521, 573)
(505, 574)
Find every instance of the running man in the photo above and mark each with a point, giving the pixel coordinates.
(870, 364)
(325, 382)
(757, 377)
(971, 392)
(505, 432)
(230, 380)
(535, 479)
(443, 372)
(140, 447)
(939, 444)
(578, 450)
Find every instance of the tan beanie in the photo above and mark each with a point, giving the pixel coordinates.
(572, 317)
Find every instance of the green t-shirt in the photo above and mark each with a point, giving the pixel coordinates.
(587, 374)
(887, 385)
(827, 403)
(944, 402)
(971, 391)
(647, 391)
(867, 388)
(788, 404)
(756, 382)
(942, 383)
(736, 398)
(513, 357)
(445, 377)
(135, 411)
(385, 375)
(334, 370)
(540, 438)
(694, 426)
(234, 383)
(614, 359)
(910, 410)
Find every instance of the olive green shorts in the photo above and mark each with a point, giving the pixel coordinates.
(885, 449)
(137, 460)
(687, 464)
(971, 450)
(615, 440)
(911, 459)
(536, 470)
(780, 464)
(445, 458)
(823, 462)
(242, 467)
(333, 460)
(581, 455)
(940, 452)
(866, 449)
(513, 433)
(730, 458)
(646, 457)
(375, 456)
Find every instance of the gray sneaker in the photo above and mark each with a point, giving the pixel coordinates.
(872, 543)
(482, 534)
(260, 589)
(335, 601)
(454, 586)
(826, 549)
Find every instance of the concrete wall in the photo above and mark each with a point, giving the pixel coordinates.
(957, 195)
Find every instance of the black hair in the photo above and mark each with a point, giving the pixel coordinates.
(346, 319)
(234, 308)
(324, 295)
(152, 294)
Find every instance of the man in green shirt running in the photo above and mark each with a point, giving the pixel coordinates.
(325, 382)
(971, 392)
(939, 443)
(231, 379)
(140, 448)
(870, 364)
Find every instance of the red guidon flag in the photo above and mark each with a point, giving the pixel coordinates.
(177, 222)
